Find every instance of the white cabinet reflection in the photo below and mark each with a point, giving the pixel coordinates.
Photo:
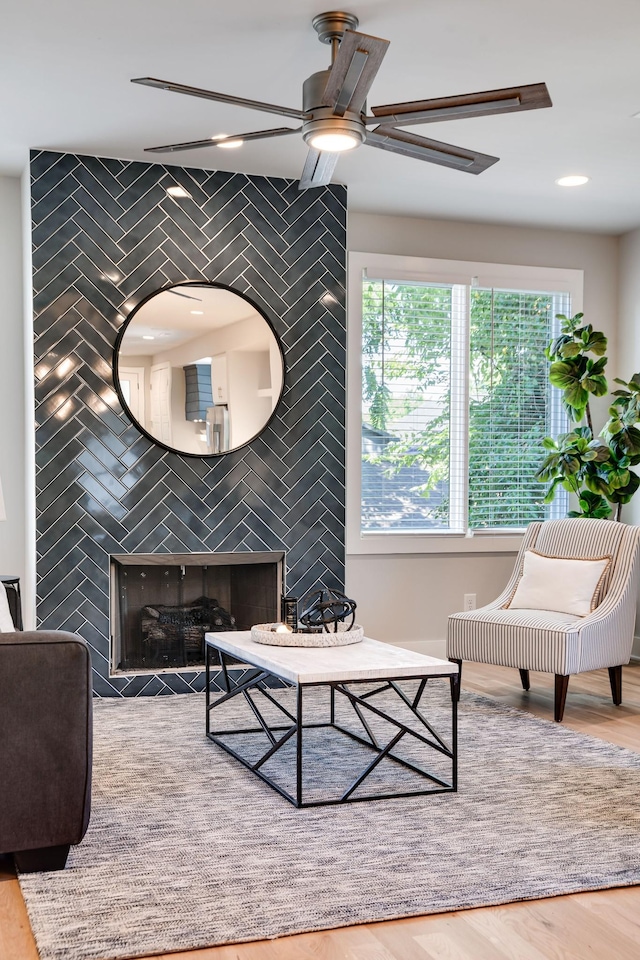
(199, 369)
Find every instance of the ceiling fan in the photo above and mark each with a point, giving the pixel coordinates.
(334, 117)
(187, 296)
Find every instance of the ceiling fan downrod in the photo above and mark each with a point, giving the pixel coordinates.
(331, 26)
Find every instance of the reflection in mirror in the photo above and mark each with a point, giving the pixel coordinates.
(199, 368)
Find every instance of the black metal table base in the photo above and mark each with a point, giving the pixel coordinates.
(256, 689)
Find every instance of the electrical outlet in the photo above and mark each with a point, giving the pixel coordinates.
(469, 601)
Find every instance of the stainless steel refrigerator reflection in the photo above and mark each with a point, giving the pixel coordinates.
(218, 428)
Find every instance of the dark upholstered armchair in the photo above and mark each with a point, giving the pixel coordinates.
(45, 746)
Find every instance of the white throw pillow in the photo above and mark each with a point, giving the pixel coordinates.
(6, 621)
(558, 583)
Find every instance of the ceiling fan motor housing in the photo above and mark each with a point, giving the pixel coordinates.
(323, 118)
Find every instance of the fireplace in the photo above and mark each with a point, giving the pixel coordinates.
(163, 604)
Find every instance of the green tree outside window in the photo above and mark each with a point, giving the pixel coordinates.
(407, 346)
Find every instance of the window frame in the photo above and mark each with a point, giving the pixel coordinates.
(429, 270)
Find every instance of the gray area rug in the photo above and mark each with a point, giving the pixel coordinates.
(186, 848)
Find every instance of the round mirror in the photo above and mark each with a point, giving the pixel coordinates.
(199, 369)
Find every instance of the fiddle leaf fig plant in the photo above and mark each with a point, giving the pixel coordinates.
(597, 469)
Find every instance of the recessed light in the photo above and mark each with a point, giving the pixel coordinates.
(572, 181)
(197, 313)
(176, 191)
(144, 337)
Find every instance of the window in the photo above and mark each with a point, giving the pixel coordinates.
(455, 395)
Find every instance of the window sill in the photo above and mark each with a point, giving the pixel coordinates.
(374, 544)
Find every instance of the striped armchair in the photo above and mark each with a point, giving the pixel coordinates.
(552, 642)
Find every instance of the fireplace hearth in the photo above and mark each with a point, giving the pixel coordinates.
(163, 604)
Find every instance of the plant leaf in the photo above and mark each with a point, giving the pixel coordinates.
(624, 494)
(592, 505)
(576, 396)
(627, 441)
(564, 373)
(597, 385)
(595, 342)
(570, 349)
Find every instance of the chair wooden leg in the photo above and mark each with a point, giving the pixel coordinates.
(455, 687)
(562, 684)
(615, 679)
(524, 676)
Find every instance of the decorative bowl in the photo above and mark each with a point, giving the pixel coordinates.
(261, 633)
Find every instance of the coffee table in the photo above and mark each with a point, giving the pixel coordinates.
(380, 687)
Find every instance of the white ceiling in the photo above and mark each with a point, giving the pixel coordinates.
(65, 68)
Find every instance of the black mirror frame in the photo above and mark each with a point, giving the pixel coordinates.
(116, 376)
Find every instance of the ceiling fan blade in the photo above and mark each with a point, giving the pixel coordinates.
(187, 296)
(433, 151)
(483, 104)
(354, 70)
(217, 141)
(221, 97)
(318, 169)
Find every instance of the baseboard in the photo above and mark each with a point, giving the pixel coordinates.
(431, 648)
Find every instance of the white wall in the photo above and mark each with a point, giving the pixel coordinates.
(629, 334)
(247, 373)
(406, 599)
(13, 536)
(629, 317)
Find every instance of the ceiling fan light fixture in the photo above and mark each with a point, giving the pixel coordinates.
(333, 134)
(333, 142)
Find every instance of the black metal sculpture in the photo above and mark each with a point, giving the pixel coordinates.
(325, 609)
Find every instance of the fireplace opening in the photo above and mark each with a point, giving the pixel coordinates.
(163, 604)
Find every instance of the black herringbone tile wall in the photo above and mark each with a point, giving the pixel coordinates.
(105, 234)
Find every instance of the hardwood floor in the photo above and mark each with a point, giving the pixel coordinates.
(586, 926)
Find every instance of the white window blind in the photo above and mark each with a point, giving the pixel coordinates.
(406, 429)
(456, 401)
(511, 404)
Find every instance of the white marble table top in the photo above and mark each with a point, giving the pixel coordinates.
(367, 660)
